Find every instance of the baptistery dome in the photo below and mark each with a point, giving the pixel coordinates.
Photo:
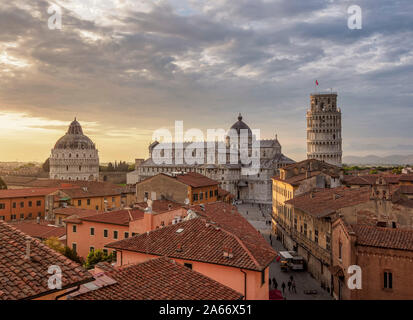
(74, 156)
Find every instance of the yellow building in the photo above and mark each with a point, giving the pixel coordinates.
(296, 179)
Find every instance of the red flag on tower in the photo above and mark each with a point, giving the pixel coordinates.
(316, 82)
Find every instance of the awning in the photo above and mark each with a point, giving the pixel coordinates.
(64, 199)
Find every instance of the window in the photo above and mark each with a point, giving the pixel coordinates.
(79, 202)
(262, 277)
(328, 242)
(113, 199)
(195, 197)
(30, 203)
(305, 229)
(388, 280)
(92, 231)
(201, 196)
(14, 204)
(126, 235)
(22, 216)
(74, 247)
(13, 217)
(216, 193)
(188, 265)
(74, 229)
(39, 203)
(30, 215)
(105, 233)
(91, 249)
(21, 204)
(316, 236)
(88, 202)
(39, 214)
(97, 207)
(206, 195)
(340, 246)
(146, 195)
(2, 206)
(105, 251)
(295, 223)
(115, 234)
(2, 218)
(211, 193)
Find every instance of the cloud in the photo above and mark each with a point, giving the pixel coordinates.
(144, 64)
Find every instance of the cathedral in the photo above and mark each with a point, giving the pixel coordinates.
(255, 188)
(74, 156)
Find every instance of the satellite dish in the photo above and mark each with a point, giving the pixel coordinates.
(186, 201)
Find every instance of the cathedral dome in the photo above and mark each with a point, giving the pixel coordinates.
(74, 138)
(240, 125)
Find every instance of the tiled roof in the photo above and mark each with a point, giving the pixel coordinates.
(227, 217)
(32, 192)
(86, 189)
(119, 217)
(371, 179)
(322, 202)
(406, 177)
(199, 241)
(22, 278)
(39, 230)
(406, 189)
(157, 279)
(295, 180)
(196, 180)
(73, 211)
(159, 206)
(373, 236)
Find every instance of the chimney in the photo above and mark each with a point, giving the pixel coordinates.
(179, 247)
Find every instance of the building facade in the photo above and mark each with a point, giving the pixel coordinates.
(249, 188)
(324, 140)
(74, 156)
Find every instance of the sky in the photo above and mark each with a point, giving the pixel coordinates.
(126, 68)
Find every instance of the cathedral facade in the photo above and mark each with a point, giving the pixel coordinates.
(74, 156)
(255, 188)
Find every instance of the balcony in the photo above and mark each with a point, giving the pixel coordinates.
(319, 252)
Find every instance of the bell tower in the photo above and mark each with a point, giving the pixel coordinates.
(324, 140)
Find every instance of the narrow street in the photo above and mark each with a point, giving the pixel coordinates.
(303, 279)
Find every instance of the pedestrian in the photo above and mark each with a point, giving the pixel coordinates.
(269, 282)
(289, 285)
(294, 287)
(247, 212)
(270, 237)
(271, 242)
(283, 286)
(291, 278)
(275, 283)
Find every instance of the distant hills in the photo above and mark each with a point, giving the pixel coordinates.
(375, 160)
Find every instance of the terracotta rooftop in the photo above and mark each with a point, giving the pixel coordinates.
(295, 180)
(406, 189)
(322, 202)
(22, 278)
(159, 206)
(86, 189)
(401, 239)
(73, 211)
(156, 279)
(20, 193)
(118, 217)
(371, 179)
(42, 230)
(202, 239)
(227, 217)
(196, 180)
(406, 177)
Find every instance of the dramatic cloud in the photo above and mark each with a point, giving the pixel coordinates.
(126, 68)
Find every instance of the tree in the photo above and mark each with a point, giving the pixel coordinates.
(97, 256)
(46, 165)
(55, 244)
(3, 185)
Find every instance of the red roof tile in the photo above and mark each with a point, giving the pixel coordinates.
(373, 236)
(159, 206)
(157, 279)
(73, 211)
(196, 180)
(40, 231)
(322, 202)
(22, 278)
(119, 217)
(20, 193)
(227, 217)
(406, 177)
(202, 241)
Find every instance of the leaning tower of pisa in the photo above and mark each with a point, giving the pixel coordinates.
(324, 128)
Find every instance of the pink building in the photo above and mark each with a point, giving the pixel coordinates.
(92, 232)
(215, 241)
